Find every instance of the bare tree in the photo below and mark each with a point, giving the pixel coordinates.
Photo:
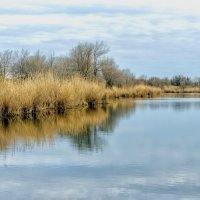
(110, 72)
(26, 65)
(5, 63)
(19, 67)
(86, 58)
(63, 67)
(37, 63)
(81, 57)
(196, 81)
(100, 49)
(50, 62)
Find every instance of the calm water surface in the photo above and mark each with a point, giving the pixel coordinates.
(143, 149)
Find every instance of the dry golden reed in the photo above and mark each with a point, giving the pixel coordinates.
(175, 89)
(21, 97)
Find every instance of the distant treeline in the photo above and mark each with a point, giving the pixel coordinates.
(178, 80)
(88, 60)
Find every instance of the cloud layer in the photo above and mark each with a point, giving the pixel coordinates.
(146, 36)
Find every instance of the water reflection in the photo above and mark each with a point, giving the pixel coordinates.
(150, 151)
(85, 128)
(180, 104)
(79, 126)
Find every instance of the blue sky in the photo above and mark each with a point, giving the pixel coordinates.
(147, 36)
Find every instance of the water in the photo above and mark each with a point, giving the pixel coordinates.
(143, 149)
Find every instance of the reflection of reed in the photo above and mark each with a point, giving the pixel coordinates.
(80, 126)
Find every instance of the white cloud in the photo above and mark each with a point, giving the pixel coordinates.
(177, 5)
(136, 27)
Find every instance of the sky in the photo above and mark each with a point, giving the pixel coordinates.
(151, 37)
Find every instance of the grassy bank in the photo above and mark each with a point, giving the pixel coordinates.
(46, 93)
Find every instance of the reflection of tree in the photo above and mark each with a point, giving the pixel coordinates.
(91, 138)
(115, 114)
(88, 140)
(82, 127)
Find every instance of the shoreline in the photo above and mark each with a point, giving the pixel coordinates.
(46, 95)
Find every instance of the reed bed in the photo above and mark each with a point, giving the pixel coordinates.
(45, 93)
(138, 91)
(175, 89)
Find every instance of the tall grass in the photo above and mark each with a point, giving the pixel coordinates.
(176, 89)
(45, 93)
(138, 91)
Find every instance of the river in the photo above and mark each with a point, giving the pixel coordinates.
(130, 149)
